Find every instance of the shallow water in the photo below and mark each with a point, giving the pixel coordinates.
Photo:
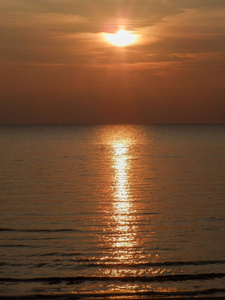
(101, 211)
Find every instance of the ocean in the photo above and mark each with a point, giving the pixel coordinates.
(112, 211)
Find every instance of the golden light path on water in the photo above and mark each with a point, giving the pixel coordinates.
(122, 204)
(124, 238)
(124, 234)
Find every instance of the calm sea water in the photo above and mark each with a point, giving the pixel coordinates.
(112, 211)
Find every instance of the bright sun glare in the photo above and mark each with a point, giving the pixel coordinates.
(121, 38)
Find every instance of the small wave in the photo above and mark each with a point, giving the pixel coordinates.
(20, 246)
(13, 246)
(125, 295)
(57, 254)
(39, 230)
(80, 279)
(113, 264)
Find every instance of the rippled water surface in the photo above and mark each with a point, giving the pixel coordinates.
(99, 211)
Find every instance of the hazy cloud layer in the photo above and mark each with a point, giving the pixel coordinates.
(52, 50)
(47, 31)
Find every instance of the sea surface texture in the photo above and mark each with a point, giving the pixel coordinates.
(99, 212)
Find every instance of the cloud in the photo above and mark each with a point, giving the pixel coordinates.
(200, 4)
(102, 15)
(69, 31)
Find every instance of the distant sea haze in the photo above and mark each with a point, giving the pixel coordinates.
(112, 211)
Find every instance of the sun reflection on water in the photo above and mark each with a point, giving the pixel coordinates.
(125, 232)
(122, 239)
(121, 166)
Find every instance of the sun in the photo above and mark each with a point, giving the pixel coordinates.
(121, 38)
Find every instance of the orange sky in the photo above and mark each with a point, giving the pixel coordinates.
(57, 67)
